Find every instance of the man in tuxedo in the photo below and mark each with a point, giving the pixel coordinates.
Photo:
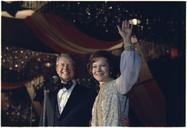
(70, 104)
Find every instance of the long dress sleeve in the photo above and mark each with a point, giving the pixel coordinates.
(130, 64)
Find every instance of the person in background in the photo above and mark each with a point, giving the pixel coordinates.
(111, 104)
(69, 104)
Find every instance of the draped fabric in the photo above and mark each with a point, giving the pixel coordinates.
(147, 101)
(62, 36)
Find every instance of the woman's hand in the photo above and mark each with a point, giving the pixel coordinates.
(125, 31)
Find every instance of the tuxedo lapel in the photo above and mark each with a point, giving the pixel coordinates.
(72, 101)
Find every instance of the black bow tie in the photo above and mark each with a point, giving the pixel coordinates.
(65, 85)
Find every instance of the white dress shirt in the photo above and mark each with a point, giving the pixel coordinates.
(63, 96)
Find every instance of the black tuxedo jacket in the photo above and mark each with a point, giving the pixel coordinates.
(77, 111)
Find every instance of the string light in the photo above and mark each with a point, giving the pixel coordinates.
(103, 17)
(25, 63)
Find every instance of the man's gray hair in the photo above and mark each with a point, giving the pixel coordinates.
(64, 55)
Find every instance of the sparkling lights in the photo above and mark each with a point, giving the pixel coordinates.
(25, 63)
(103, 17)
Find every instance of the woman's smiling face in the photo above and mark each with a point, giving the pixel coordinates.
(100, 69)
